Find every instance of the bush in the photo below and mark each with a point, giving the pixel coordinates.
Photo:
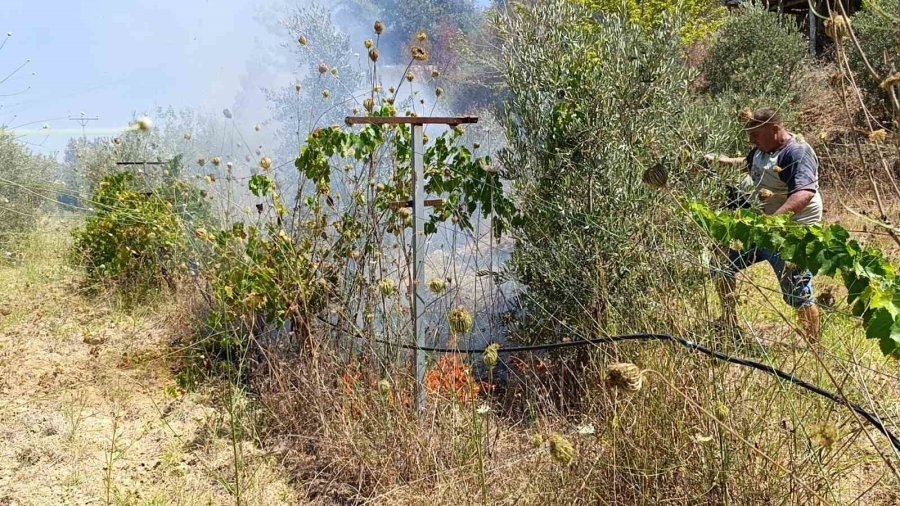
(23, 187)
(758, 55)
(878, 31)
(701, 17)
(590, 108)
(133, 241)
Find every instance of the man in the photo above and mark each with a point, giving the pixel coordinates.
(785, 177)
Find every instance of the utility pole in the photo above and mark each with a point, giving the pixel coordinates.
(83, 120)
(418, 204)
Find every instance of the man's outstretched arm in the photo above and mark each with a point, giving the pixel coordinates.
(796, 202)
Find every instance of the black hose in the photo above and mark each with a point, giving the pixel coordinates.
(870, 417)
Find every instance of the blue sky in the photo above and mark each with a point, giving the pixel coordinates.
(117, 58)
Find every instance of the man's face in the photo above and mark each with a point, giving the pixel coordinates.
(764, 137)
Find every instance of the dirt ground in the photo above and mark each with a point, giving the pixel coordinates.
(90, 412)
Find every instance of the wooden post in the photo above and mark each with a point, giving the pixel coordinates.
(418, 245)
(418, 204)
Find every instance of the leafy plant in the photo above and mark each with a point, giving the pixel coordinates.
(873, 286)
(134, 239)
(743, 61)
(467, 183)
(701, 17)
(877, 27)
(590, 105)
(23, 187)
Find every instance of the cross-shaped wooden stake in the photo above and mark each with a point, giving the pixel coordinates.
(418, 204)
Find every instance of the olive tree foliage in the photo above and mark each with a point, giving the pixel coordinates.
(758, 57)
(590, 106)
(877, 27)
(443, 20)
(27, 182)
(196, 137)
(330, 75)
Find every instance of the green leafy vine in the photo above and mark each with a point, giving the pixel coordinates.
(873, 287)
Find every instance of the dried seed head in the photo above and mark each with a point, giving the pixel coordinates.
(303, 40)
(229, 165)
(265, 163)
(461, 320)
(722, 411)
(561, 449)
(422, 36)
(117, 141)
(216, 161)
(384, 388)
(326, 94)
(891, 81)
(656, 176)
(837, 27)
(392, 90)
(387, 287)
(437, 285)
(419, 54)
(379, 27)
(410, 76)
(187, 136)
(374, 53)
(491, 356)
(201, 161)
(298, 87)
(435, 73)
(765, 195)
(144, 124)
(736, 245)
(836, 78)
(258, 127)
(625, 376)
(823, 435)
(323, 68)
(878, 136)
(369, 104)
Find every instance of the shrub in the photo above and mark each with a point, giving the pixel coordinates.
(590, 107)
(701, 17)
(758, 55)
(23, 187)
(878, 30)
(134, 240)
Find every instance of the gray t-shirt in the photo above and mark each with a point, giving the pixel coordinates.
(785, 171)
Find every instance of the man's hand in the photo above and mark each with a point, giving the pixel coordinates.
(796, 202)
(727, 160)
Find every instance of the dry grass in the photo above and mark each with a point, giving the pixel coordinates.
(699, 431)
(91, 412)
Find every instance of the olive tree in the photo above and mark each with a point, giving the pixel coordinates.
(27, 182)
(591, 106)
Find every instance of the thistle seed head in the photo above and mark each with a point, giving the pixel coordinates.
(625, 376)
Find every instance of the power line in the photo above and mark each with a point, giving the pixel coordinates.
(83, 120)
